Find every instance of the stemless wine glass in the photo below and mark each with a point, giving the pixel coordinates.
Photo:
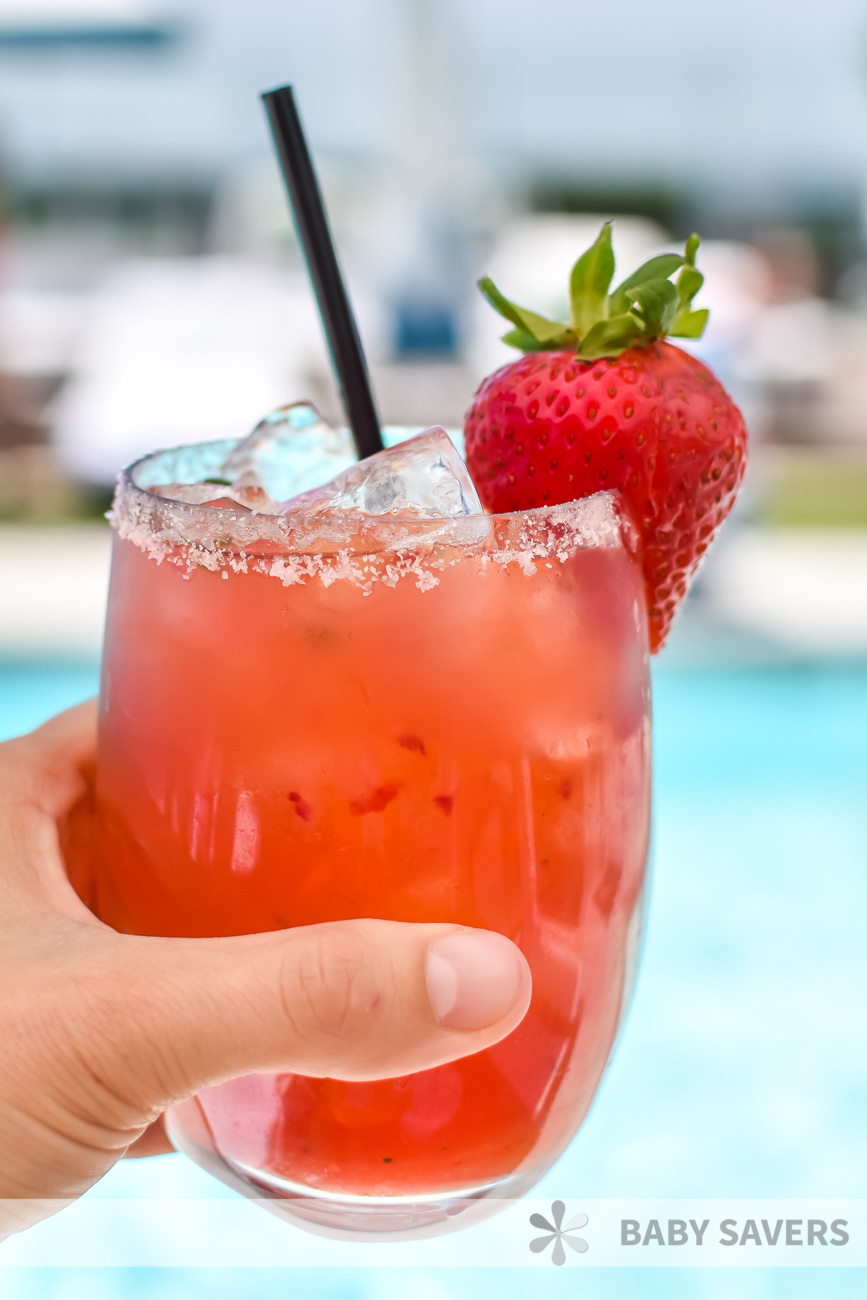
(418, 720)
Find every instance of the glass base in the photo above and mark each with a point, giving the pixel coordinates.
(359, 1218)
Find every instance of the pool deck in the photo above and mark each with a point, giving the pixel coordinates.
(53, 589)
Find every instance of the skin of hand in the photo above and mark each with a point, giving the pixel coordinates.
(101, 1031)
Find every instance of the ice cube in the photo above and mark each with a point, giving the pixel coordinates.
(423, 476)
(209, 491)
(290, 450)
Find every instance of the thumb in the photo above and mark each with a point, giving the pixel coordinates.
(357, 1000)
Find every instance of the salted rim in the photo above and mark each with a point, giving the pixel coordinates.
(354, 545)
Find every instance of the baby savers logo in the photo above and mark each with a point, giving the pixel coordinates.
(734, 1232)
(558, 1232)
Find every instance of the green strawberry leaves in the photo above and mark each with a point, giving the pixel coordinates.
(658, 268)
(539, 328)
(644, 307)
(655, 304)
(525, 342)
(689, 324)
(590, 281)
(608, 338)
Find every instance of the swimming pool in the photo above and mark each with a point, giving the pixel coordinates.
(743, 1067)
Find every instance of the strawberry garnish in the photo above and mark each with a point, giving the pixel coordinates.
(605, 403)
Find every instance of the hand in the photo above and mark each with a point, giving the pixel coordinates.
(100, 1031)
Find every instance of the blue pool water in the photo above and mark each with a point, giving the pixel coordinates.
(742, 1071)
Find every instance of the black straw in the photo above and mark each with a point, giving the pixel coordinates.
(341, 331)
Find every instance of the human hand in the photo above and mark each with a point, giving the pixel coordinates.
(101, 1031)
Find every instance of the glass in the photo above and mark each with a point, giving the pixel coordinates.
(418, 720)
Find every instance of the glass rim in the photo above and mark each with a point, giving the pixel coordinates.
(157, 522)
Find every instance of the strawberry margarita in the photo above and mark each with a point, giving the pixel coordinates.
(413, 719)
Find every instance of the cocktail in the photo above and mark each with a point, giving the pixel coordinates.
(380, 702)
(366, 697)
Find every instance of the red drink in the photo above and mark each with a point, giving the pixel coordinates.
(406, 720)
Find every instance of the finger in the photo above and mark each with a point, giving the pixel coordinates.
(351, 1000)
(72, 731)
(42, 775)
(48, 766)
(153, 1142)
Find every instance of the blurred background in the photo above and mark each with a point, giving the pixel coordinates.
(152, 292)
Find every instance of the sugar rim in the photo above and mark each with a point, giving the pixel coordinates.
(362, 548)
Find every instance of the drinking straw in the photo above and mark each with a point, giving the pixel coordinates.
(341, 331)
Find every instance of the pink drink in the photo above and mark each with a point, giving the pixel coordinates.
(419, 722)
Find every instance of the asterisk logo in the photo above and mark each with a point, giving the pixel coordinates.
(558, 1232)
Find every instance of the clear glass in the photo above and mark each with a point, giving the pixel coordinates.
(304, 721)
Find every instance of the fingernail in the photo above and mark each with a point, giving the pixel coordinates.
(474, 977)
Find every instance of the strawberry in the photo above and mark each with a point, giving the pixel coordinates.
(605, 402)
